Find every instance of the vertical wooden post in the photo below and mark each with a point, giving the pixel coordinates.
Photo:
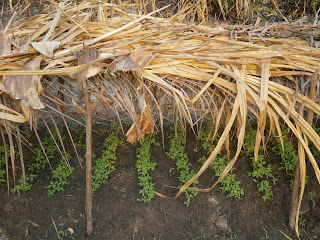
(83, 58)
(294, 198)
(296, 183)
(88, 116)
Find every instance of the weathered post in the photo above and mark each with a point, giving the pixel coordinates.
(84, 57)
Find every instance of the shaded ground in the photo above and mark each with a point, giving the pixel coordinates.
(118, 214)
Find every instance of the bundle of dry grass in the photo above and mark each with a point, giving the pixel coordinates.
(150, 68)
(247, 10)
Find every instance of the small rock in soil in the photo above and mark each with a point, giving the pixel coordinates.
(213, 218)
(213, 200)
(222, 223)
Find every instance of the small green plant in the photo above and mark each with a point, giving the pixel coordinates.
(104, 165)
(229, 183)
(208, 142)
(287, 154)
(265, 187)
(302, 222)
(79, 144)
(3, 163)
(24, 186)
(249, 140)
(144, 166)
(65, 234)
(40, 164)
(40, 161)
(313, 194)
(75, 128)
(60, 177)
(50, 149)
(178, 155)
(261, 172)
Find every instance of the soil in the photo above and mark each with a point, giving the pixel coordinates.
(118, 214)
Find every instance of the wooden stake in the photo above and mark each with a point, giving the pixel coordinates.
(294, 198)
(88, 116)
(296, 182)
(83, 58)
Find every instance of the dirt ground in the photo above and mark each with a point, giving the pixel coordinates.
(118, 214)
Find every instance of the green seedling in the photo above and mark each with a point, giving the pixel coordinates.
(208, 141)
(50, 149)
(261, 174)
(144, 166)
(302, 222)
(60, 177)
(229, 184)
(40, 161)
(180, 158)
(287, 154)
(266, 189)
(79, 144)
(65, 234)
(261, 171)
(3, 163)
(104, 165)
(76, 128)
(24, 186)
(313, 194)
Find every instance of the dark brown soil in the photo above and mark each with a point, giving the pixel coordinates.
(118, 214)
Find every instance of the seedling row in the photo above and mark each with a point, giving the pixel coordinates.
(62, 164)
